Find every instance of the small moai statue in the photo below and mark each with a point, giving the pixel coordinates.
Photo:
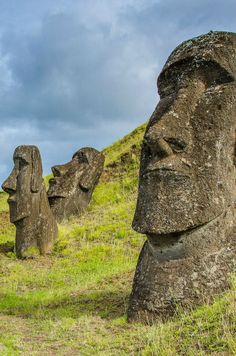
(36, 228)
(71, 188)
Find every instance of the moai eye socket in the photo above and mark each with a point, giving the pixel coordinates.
(176, 144)
(22, 163)
(81, 157)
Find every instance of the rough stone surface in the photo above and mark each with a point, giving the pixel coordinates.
(71, 188)
(187, 180)
(36, 228)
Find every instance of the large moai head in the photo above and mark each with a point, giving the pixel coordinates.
(28, 204)
(71, 188)
(187, 174)
(187, 181)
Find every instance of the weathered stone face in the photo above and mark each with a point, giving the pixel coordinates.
(189, 141)
(72, 186)
(187, 181)
(29, 209)
(18, 185)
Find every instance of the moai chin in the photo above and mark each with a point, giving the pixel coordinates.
(187, 189)
(36, 228)
(71, 188)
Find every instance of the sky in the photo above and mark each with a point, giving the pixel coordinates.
(76, 73)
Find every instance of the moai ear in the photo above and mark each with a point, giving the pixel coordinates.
(92, 174)
(88, 179)
(36, 177)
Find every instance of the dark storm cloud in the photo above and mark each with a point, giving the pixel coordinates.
(68, 72)
(84, 73)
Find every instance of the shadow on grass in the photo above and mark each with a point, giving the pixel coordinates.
(7, 247)
(107, 304)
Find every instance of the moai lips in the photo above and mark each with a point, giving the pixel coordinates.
(36, 228)
(187, 180)
(71, 188)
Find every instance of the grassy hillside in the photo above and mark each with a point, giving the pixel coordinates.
(74, 302)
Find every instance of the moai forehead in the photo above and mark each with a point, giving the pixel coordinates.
(217, 47)
(24, 152)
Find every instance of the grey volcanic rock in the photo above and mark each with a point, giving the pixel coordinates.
(71, 188)
(187, 181)
(36, 228)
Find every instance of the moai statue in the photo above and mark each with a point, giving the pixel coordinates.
(36, 228)
(187, 185)
(71, 188)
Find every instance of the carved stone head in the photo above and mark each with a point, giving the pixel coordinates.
(29, 208)
(72, 186)
(187, 173)
(187, 181)
(24, 181)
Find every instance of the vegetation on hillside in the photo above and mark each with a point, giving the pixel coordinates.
(74, 302)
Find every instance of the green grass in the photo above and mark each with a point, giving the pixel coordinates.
(3, 202)
(126, 145)
(74, 302)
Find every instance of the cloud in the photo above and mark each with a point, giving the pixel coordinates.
(82, 73)
(68, 70)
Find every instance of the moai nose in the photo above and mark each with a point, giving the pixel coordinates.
(9, 185)
(157, 144)
(163, 148)
(58, 171)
